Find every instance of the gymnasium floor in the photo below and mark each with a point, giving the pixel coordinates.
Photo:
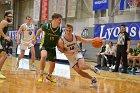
(25, 81)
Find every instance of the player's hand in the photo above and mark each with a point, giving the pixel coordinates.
(34, 41)
(18, 42)
(7, 38)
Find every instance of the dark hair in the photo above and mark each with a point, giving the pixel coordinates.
(6, 14)
(110, 42)
(56, 15)
(123, 25)
(40, 25)
(28, 17)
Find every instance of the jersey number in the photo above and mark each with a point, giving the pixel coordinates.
(52, 38)
(71, 47)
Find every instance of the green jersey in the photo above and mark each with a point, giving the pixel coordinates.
(136, 51)
(51, 35)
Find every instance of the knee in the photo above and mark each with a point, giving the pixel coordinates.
(81, 67)
(4, 54)
(78, 71)
(43, 55)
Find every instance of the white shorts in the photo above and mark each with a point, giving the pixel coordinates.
(25, 45)
(73, 59)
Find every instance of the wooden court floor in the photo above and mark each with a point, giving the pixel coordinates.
(25, 81)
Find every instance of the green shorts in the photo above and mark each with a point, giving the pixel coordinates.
(51, 53)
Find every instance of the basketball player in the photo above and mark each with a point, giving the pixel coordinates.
(52, 34)
(3, 37)
(68, 45)
(27, 30)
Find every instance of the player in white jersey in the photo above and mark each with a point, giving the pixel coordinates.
(67, 44)
(27, 30)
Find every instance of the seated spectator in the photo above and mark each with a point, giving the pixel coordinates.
(100, 54)
(134, 56)
(109, 55)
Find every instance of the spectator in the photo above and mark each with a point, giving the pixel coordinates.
(110, 54)
(100, 55)
(134, 56)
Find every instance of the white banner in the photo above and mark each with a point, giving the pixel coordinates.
(57, 6)
(61, 7)
(52, 8)
(36, 14)
(71, 8)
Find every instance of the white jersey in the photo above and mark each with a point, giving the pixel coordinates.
(28, 32)
(70, 45)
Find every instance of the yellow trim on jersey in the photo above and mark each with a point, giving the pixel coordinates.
(42, 41)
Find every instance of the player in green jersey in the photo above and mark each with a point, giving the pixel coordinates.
(52, 34)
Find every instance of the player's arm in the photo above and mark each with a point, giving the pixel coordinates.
(38, 33)
(128, 45)
(2, 25)
(34, 41)
(18, 33)
(79, 38)
(128, 42)
(60, 45)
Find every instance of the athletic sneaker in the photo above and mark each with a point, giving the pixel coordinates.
(112, 67)
(96, 70)
(93, 82)
(40, 79)
(2, 76)
(33, 67)
(50, 78)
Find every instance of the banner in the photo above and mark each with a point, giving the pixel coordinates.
(12, 34)
(71, 8)
(122, 4)
(36, 15)
(110, 31)
(57, 6)
(100, 4)
(44, 10)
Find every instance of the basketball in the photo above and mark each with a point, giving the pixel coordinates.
(97, 42)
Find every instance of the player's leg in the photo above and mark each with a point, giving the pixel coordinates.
(21, 55)
(22, 51)
(3, 57)
(86, 75)
(42, 64)
(52, 59)
(139, 58)
(83, 66)
(32, 65)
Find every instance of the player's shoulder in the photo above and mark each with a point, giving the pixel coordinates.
(4, 22)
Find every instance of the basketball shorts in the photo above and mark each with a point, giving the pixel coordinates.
(5, 44)
(25, 45)
(51, 53)
(73, 59)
